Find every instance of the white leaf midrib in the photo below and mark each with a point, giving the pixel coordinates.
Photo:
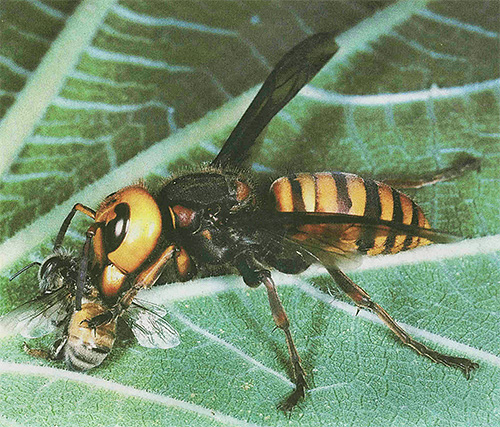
(168, 294)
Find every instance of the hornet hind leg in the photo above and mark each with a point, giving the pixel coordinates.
(460, 167)
(363, 300)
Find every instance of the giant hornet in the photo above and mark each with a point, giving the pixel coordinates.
(81, 347)
(215, 217)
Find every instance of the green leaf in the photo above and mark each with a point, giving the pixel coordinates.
(157, 91)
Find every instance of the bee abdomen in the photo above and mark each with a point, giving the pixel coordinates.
(87, 348)
(82, 357)
(345, 193)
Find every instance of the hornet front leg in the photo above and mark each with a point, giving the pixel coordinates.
(144, 280)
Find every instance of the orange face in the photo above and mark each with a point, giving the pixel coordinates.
(130, 228)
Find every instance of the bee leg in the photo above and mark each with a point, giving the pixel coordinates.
(39, 353)
(64, 226)
(363, 300)
(462, 165)
(113, 312)
(54, 354)
(254, 275)
(57, 352)
(103, 318)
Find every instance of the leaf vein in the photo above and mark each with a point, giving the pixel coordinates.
(54, 13)
(432, 53)
(72, 104)
(61, 374)
(153, 21)
(229, 346)
(106, 55)
(455, 23)
(15, 68)
(434, 93)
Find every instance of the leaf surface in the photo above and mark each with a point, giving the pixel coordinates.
(156, 92)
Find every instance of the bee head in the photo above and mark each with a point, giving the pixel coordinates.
(57, 270)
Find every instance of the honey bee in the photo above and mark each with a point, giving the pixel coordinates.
(80, 346)
(216, 217)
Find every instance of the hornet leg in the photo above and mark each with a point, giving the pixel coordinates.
(459, 167)
(144, 280)
(254, 275)
(363, 300)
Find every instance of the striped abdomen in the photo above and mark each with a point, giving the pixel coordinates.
(345, 193)
(87, 348)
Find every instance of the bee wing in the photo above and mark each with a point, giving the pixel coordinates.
(147, 324)
(337, 240)
(291, 74)
(38, 317)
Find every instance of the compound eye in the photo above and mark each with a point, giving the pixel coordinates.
(50, 274)
(116, 229)
(49, 267)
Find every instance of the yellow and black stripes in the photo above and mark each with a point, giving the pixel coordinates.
(344, 193)
(373, 209)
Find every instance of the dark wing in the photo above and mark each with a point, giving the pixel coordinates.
(291, 74)
(311, 218)
(338, 239)
(146, 321)
(38, 317)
